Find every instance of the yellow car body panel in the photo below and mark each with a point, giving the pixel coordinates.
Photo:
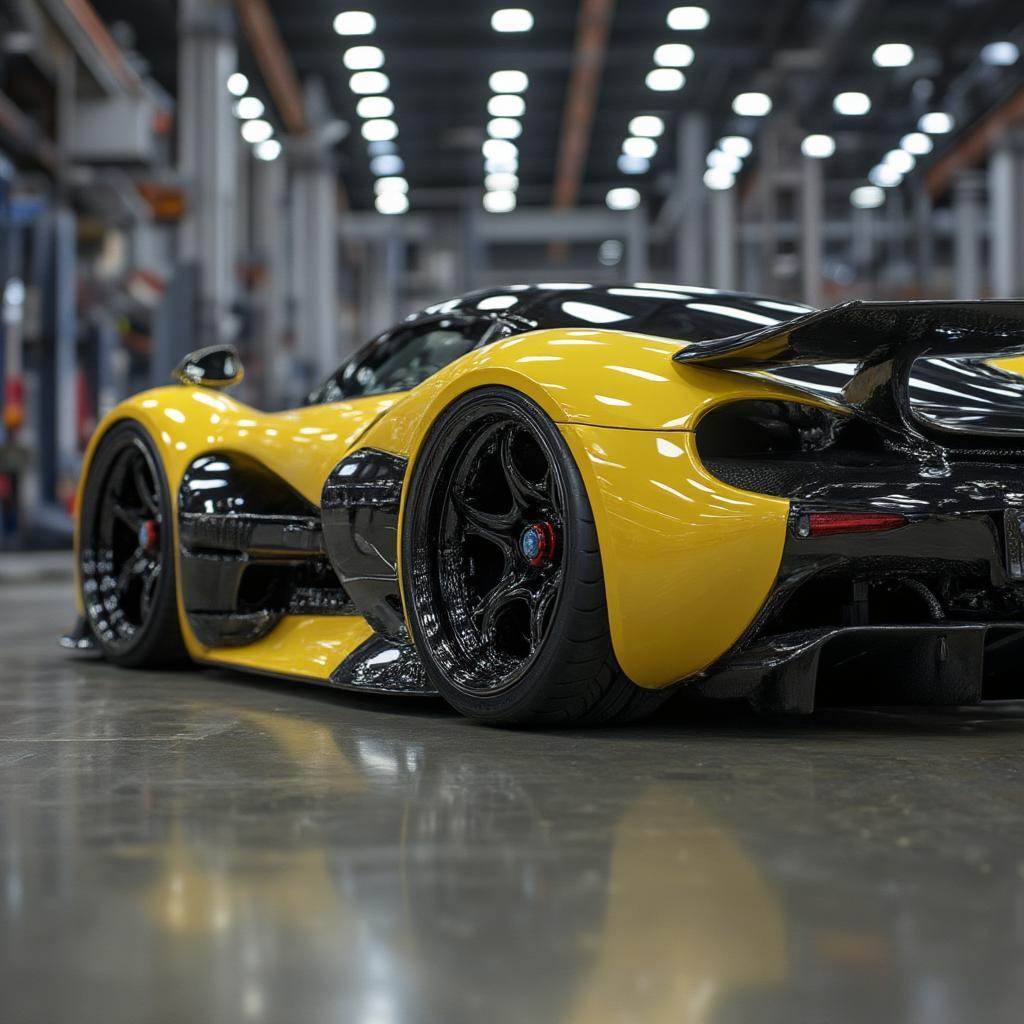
(687, 560)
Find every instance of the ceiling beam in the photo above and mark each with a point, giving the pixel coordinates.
(975, 144)
(95, 46)
(592, 27)
(275, 64)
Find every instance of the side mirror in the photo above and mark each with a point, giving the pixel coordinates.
(215, 367)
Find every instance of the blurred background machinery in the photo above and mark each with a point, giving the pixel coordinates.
(294, 177)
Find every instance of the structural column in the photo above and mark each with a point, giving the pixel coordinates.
(207, 144)
(1006, 208)
(691, 252)
(812, 234)
(269, 232)
(724, 242)
(314, 256)
(968, 211)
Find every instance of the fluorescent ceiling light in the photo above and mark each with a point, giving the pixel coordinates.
(238, 84)
(392, 202)
(885, 176)
(256, 131)
(512, 19)
(647, 125)
(506, 106)
(665, 79)
(374, 106)
(508, 81)
(673, 55)
(935, 122)
(622, 199)
(917, 143)
(248, 108)
(641, 147)
(502, 201)
(724, 161)
(368, 83)
(719, 179)
(504, 128)
(391, 183)
(380, 129)
(688, 19)
(381, 148)
(899, 160)
(893, 55)
(752, 104)
(354, 23)
(501, 182)
(851, 104)
(818, 147)
(867, 197)
(501, 166)
(738, 145)
(633, 164)
(1001, 54)
(363, 58)
(268, 150)
(387, 164)
(500, 149)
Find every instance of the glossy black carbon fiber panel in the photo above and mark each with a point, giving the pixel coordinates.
(379, 665)
(360, 504)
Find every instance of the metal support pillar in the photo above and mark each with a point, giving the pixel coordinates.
(724, 244)
(268, 233)
(1006, 208)
(207, 144)
(862, 243)
(691, 234)
(637, 245)
(968, 211)
(314, 232)
(924, 239)
(384, 265)
(812, 235)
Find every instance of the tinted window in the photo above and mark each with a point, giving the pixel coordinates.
(403, 358)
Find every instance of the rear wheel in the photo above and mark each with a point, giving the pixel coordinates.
(126, 560)
(502, 572)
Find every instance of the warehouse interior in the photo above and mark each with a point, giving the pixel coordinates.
(293, 178)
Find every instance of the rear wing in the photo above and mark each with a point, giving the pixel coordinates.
(883, 340)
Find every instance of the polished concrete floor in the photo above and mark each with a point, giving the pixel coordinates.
(196, 846)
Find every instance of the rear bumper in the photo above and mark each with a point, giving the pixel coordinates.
(938, 663)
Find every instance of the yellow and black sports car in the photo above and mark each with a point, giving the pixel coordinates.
(556, 503)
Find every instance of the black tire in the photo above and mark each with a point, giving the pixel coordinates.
(506, 637)
(128, 582)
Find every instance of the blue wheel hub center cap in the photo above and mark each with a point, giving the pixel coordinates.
(537, 543)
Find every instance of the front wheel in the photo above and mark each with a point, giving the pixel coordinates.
(126, 553)
(502, 572)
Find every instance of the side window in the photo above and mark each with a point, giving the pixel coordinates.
(404, 357)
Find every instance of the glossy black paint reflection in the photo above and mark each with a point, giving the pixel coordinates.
(379, 665)
(359, 505)
(252, 551)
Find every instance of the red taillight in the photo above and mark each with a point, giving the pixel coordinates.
(823, 524)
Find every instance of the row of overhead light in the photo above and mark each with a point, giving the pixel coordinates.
(257, 131)
(506, 107)
(890, 171)
(376, 110)
(641, 142)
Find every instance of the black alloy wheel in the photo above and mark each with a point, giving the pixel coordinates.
(126, 565)
(502, 573)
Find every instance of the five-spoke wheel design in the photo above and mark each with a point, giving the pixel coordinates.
(121, 562)
(125, 566)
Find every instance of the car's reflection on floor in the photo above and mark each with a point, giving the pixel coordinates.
(195, 846)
